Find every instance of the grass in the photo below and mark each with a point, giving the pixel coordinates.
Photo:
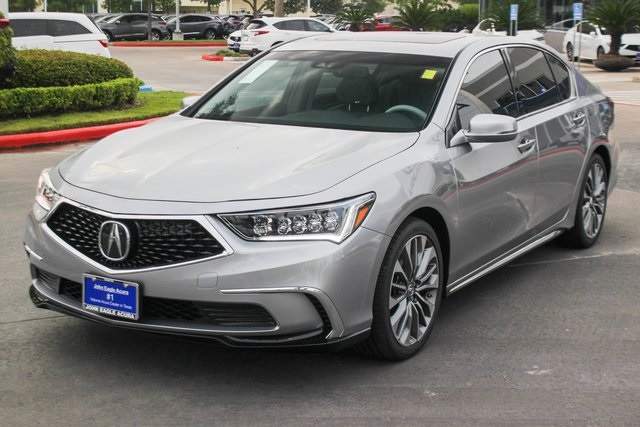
(148, 105)
(221, 42)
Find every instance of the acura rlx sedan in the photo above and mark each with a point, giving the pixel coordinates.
(331, 191)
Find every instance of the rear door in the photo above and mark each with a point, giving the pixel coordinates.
(545, 95)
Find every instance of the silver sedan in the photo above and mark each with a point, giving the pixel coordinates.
(331, 191)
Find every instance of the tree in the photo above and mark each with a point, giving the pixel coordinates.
(422, 15)
(117, 6)
(23, 5)
(166, 6)
(69, 5)
(290, 6)
(253, 4)
(465, 16)
(528, 16)
(326, 6)
(618, 16)
(211, 3)
(7, 53)
(355, 14)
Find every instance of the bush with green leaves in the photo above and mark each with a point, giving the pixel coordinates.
(46, 68)
(528, 15)
(33, 101)
(617, 16)
(7, 55)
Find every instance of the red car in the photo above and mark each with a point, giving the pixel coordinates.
(388, 23)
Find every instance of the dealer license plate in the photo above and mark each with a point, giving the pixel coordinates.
(110, 297)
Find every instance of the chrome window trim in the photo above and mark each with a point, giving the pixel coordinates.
(200, 219)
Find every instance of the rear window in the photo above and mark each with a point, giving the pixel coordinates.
(254, 25)
(341, 90)
(59, 28)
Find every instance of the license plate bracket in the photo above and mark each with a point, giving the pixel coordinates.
(111, 297)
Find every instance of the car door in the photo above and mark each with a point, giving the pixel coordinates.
(496, 180)
(545, 96)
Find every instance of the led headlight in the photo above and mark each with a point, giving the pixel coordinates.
(331, 221)
(46, 196)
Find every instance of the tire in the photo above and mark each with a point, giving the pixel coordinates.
(599, 52)
(591, 207)
(570, 52)
(406, 299)
(109, 36)
(156, 35)
(210, 34)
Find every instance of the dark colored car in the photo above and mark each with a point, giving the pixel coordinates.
(133, 26)
(198, 26)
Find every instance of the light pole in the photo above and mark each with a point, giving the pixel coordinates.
(177, 34)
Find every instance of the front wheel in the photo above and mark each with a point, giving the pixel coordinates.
(570, 52)
(591, 208)
(599, 52)
(210, 34)
(155, 35)
(408, 293)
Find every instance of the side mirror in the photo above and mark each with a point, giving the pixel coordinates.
(188, 101)
(592, 33)
(487, 128)
(117, 22)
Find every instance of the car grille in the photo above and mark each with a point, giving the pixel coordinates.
(154, 242)
(180, 311)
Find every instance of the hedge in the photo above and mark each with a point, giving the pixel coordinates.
(46, 68)
(25, 102)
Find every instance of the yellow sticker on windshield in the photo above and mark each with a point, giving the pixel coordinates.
(429, 74)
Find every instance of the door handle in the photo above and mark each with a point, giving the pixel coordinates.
(526, 144)
(579, 119)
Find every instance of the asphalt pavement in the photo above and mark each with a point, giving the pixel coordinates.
(551, 339)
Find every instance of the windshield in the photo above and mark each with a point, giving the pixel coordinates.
(341, 90)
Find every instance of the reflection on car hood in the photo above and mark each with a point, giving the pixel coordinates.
(185, 159)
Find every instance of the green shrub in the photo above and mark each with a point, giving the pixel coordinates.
(26, 102)
(46, 68)
(7, 55)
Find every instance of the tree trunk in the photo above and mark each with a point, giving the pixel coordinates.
(149, 5)
(278, 10)
(616, 41)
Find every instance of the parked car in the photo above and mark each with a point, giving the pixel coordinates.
(589, 41)
(487, 27)
(133, 26)
(554, 34)
(198, 26)
(386, 23)
(72, 32)
(263, 33)
(233, 41)
(354, 181)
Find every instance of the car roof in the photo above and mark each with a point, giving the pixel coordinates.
(48, 15)
(442, 44)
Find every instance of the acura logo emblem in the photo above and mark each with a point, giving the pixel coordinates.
(114, 240)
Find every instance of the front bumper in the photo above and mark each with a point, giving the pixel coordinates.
(314, 292)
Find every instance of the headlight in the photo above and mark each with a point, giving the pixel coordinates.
(46, 196)
(332, 221)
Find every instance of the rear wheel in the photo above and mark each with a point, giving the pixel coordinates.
(210, 34)
(599, 52)
(570, 52)
(109, 36)
(156, 35)
(591, 208)
(408, 293)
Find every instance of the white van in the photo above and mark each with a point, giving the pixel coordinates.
(73, 32)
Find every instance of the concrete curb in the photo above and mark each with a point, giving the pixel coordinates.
(66, 135)
(221, 43)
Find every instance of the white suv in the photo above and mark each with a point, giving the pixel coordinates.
(263, 33)
(73, 32)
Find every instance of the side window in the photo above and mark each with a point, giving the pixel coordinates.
(59, 28)
(295, 25)
(316, 26)
(536, 86)
(561, 75)
(485, 89)
(29, 27)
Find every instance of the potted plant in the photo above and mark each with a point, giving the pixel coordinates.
(618, 16)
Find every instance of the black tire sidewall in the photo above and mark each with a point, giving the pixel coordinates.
(381, 326)
(577, 236)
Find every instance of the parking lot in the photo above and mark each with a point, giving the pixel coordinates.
(551, 339)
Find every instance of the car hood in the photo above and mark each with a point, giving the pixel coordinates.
(197, 160)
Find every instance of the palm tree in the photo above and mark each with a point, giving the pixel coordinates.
(617, 16)
(528, 17)
(355, 14)
(420, 15)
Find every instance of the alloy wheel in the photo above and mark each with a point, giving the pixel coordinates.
(594, 200)
(414, 290)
